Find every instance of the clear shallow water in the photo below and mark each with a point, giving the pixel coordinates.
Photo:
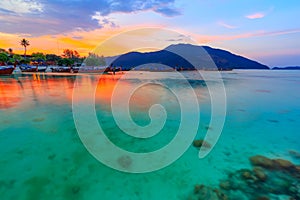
(42, 156)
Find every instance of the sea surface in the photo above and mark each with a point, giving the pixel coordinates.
(43, 157)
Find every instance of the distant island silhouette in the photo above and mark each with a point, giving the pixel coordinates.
(287, 68)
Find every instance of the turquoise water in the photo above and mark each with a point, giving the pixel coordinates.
(42, 156)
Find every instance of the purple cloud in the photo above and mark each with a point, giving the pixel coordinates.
(43, 17)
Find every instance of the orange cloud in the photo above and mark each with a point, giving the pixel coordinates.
(79, 40)
(82, 41)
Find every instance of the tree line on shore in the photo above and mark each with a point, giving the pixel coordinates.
(68, 58)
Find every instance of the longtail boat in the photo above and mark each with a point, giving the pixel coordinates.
(65, 69)
(42, 68)
(91, 69)
(6, 70)
(102, 69)
(28, 68)
(61, 69)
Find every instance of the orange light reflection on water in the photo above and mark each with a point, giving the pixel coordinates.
(26, 91)
(10, 91)
(30, 89)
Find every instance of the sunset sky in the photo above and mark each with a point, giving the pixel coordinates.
(266, 31)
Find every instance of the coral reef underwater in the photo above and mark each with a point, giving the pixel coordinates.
(269, 179)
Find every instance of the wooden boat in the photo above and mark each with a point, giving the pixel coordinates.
(42, 68)
(75, 69)
(65, 69)
(41, 65)
(94, 69)
(6, 70)
(61, 69)
(28, 68)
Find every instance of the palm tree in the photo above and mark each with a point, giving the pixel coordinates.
(24, 43)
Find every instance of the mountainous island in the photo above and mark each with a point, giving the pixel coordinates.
(186, 57)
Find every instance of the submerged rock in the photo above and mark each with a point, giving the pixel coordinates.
(221, 195)
(282, 164)
(246, 174)
(261, 161)
(203, 192)
(125, 161)
(277, 164)
(269, 179)
(260, 174)
(200, 143)
(225, 185)
(294, 154)
(198, 188)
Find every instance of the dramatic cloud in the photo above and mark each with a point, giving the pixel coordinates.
(255, 15)
(103, 21)
(20, 6)
(41, 17)
(164, 7)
